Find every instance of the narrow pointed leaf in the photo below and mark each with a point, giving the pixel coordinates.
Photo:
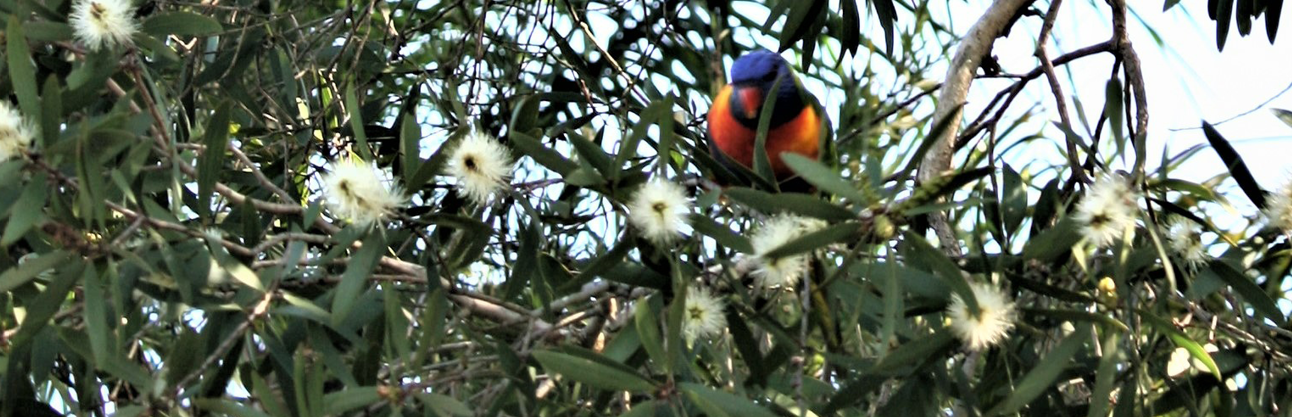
(823, 177)
(1040, 378)
(598, 373)
(797, 203)
(1237, 168)
(729, 404)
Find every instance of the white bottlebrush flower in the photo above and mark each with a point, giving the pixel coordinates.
(15, 133)
(658, 210)
(993, 322)
(481, 165)
(1278, 208)
(355, 191)
(704, 317)
(784, 271)
(1186, 243)
(1108, 211)
(103, 23)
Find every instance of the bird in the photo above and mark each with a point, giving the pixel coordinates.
(733, 119)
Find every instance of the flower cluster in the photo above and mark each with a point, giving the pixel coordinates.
(704, 316)
(658, 210)
(1108, 211)
(100, 24)
(1185, 241)
(783, 271)
(482, 167)
(994, 320)
(354, 190)
(1278, 208)
(15, 133)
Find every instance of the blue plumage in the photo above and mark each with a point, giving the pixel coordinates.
(760, 70)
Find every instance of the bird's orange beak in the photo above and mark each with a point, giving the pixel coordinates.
(750, 100)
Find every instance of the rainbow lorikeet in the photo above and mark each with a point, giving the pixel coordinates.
(795, 124)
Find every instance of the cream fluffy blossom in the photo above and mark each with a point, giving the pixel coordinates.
(103, 23)
(1278, 208)
(704, 317)
(658, 210)
(1108, 211)
(1186, 243)
(481, 165)
(355, 191)
(15, 133)
(993, 322)
(784, 271)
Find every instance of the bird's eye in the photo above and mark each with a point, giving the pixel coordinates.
(769, 77)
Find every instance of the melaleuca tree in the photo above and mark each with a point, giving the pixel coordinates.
(509, 208)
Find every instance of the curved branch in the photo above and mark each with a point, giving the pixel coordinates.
(975, 46)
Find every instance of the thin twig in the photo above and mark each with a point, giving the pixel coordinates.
(1061, 102)
(1236, 116)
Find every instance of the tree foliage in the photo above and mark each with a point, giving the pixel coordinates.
(169, 248)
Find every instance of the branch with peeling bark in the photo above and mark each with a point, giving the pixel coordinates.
(975, 47)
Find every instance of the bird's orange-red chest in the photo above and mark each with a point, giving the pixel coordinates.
(736, 140)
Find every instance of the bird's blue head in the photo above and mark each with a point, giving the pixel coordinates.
(753, 75)
(759, 68)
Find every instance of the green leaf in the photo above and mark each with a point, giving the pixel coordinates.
(49, 301)
(1078, 315)
(28, 210)
(1254, 294)
(644, 409)
(444, 405)
(913, 353)
(355, 277)
(525, 115)
(646, 319)
(1224, 9)
(591, 153)
(96, 313)
(51, 101)
(762, 161)
(356, 125)
(816, 173)
(816, 239)
(1283, 115)
(1237, 168)
(928, 141)
(592, 369)
(229, 407)
(22, 71)
(853, 392)
(351, 398)
(919, 252)
(410, 137)
(181, 23)
(1182, 340)
(1273, 8)
(851, 36)
(1040, 378)
(1014, 200)
(717, 402)
(48, 31)
(1053, 242)
(1106, 375)
(1113, 109)
(657, 110)
(797, 203)
(545, 156)
(721, 234)
(211, 163)
(21, 274)
(886, 10)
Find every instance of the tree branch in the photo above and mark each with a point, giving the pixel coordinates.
(977, 45)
